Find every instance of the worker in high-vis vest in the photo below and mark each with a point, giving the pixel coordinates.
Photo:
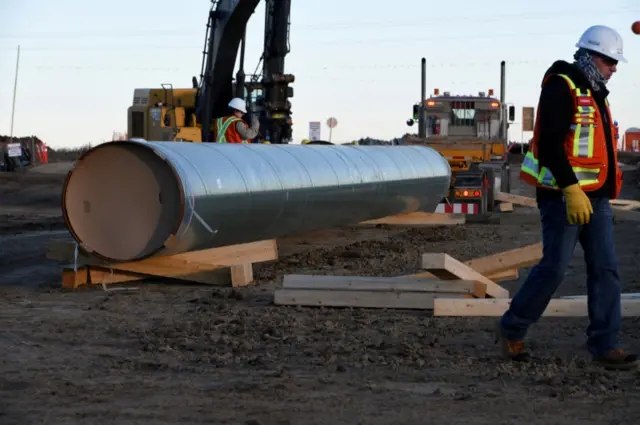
(231, 128)
(572, 162)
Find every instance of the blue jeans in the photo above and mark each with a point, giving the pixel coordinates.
(603, 280)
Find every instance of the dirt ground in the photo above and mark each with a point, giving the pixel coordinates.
(170, 353)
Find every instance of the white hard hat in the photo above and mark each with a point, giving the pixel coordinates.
(603, 40)
(239, 104)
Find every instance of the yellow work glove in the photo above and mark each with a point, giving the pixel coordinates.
(579, 207)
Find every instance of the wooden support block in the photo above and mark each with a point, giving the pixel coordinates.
(241, 274)
(418, 219)
(446, 267)
(505, 207)
(513, 259)
(395, 284)
(362, 299)
(94, 275)
(212, 266)
(511, 274)
(73, 278)
(497, 307)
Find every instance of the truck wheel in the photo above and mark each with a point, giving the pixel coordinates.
(490, 183)
(505, 179)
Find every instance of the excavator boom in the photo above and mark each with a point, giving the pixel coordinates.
(225, 30)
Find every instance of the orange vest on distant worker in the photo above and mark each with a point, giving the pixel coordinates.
(585, 145)
(224, 129)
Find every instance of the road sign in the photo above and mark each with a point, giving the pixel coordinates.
(314, 130)
(527, 118)
(332, 122)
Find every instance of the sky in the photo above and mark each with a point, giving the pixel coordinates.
(355, 60)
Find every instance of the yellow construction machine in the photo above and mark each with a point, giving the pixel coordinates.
(164, 114)
(471, 132)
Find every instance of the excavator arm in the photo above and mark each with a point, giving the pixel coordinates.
(225, 29)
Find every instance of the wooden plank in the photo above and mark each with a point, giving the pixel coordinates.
(511, 274)
(620, 212)
(361, 299)
(625, 203)
(91, 275)
(513, 259)
(226, 256)
(96, 275)
(418, 219)
(505, 207)
(497, 307)
(516, 199)
(629, 295)
(99, 276)
(444, 266)
(206, 266)
(370, 283)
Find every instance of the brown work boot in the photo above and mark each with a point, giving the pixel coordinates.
(512, 350)
(617, 359)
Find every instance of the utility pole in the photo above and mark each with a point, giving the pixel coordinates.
(15, 87)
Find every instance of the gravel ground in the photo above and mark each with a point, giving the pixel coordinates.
(172, 353)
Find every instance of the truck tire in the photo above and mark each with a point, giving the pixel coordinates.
(505, 179)
(491, 184)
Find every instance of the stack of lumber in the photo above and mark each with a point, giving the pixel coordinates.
(446, 286)
(443, 277)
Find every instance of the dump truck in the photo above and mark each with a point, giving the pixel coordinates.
(470, 131)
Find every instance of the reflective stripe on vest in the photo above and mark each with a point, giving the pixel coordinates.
(530, 165)
(223, 126)
(583, 142)
(583, 130)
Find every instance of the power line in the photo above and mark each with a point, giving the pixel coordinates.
(322, 68)
(309, 27)
(323, 72)
(404, 39)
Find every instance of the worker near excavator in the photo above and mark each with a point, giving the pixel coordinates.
(231, 128)
(572, 162)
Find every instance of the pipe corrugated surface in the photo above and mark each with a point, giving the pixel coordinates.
(130, 200)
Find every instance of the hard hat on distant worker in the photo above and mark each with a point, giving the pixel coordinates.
(238, 104)
(602, 40)
(305, 141)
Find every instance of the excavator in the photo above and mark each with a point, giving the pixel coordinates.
(187, 114)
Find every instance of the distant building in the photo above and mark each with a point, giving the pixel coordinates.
(631, 140)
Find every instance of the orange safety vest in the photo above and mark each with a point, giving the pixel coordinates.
(585, 145)
(225, 130)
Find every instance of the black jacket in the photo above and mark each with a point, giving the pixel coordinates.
(556, 109)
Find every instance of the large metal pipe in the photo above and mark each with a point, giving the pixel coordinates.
(131, 200)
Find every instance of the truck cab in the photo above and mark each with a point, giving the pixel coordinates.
(468, 131)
